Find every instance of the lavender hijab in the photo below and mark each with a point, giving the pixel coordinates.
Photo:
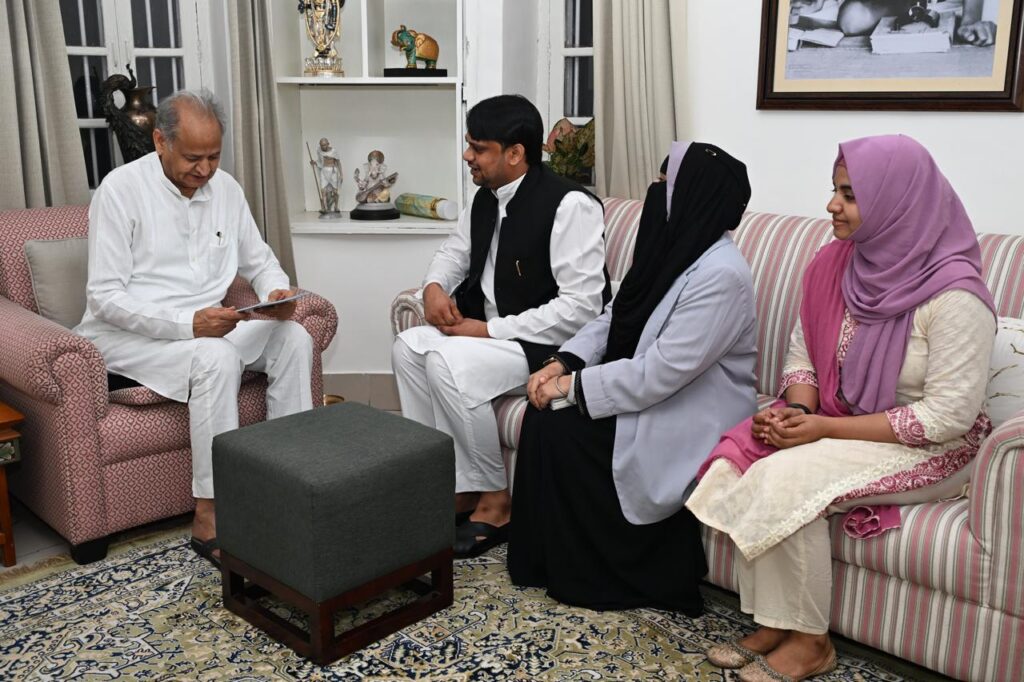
(915, 242)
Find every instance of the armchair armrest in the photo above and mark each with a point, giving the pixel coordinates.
(996, 516)
(318, 316)
(313, 312)
(48, 362)
(407, 311)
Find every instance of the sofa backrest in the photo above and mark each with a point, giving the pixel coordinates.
(778, 249)
(18, 227)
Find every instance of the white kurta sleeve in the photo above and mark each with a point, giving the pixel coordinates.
(798, 368)
(590, 343)
(110, 269)
(577, 263)
(960, 330)
(450, 263)
(257, 263)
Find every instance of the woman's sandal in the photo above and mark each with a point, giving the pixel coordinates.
(732, 655)
(760, 671)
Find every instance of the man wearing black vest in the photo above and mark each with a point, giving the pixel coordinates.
(523, 272)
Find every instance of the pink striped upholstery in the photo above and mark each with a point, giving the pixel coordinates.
(934, 549)
(97, 462)
(721, 556)
(956, 637)
(621, 216)
(997, 513)
(1002, 259)
(946, 590)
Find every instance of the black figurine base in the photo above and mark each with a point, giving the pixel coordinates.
(384, 211)
(416, 73)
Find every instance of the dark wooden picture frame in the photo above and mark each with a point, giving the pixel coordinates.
(833, 94)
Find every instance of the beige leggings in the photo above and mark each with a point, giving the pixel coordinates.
(790, 586)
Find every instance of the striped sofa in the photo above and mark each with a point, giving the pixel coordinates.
(946, 590)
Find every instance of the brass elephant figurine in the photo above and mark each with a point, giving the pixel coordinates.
(416, 46)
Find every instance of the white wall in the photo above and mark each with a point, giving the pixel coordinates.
(789, 154)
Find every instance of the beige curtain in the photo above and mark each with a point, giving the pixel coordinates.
(638, 90)
(43, 163)
(257, 152)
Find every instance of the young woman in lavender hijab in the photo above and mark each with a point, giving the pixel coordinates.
(882, 397)
(651, 384)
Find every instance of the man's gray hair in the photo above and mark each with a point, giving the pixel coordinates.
(203, 101)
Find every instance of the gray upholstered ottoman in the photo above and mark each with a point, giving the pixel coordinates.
(328, 508)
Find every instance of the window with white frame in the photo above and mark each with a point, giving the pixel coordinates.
(158, 39)
(571, 65)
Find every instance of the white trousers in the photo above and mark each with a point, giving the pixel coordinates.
(429, 389)
(790, 585)
(214, 380)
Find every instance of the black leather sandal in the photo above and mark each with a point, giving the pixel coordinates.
(466, 542)
(206, 549)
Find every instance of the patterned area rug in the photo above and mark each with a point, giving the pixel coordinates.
(152, 611)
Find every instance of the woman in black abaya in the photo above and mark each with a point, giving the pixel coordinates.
(647, 389)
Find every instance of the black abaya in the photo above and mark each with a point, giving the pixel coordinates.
(570, 536)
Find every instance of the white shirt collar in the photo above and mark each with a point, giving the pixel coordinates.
(201, 194)
(507, 191)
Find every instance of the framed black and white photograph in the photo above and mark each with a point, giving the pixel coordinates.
(955, 55)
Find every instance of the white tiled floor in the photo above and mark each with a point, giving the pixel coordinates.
(33, 539)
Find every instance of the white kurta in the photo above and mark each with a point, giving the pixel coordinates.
(448, 382)
(155, 258)
(577, 263)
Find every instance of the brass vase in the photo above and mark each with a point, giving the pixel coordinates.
(140, 109)
(133, 122)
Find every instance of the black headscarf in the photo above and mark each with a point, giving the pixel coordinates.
(710, 191)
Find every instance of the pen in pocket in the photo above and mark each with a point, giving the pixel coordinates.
(518, 271)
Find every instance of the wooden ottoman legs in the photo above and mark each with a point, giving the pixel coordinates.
(320, 644)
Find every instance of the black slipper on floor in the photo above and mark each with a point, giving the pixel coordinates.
(466, 543)
(206, 549)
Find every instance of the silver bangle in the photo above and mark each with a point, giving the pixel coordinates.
(564, 394)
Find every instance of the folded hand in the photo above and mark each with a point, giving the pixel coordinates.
(795, 429)
(535, 386)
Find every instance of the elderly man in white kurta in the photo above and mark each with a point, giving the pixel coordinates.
(167, 236)
(521, 274)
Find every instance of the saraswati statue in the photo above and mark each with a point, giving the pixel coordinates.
(323, 26)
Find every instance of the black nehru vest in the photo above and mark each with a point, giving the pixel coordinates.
(522, 268)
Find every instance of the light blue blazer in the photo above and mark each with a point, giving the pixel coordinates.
(690, 380)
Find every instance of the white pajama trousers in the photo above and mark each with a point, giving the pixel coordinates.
(214, 381)
(790, 585)
(429, 378)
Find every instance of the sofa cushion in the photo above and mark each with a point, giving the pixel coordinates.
(58, 269)
(1005, 392)
(933, 548)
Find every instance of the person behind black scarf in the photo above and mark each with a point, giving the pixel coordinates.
(710, 193)
(569, 533)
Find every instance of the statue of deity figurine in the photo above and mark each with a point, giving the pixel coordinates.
(374, 195)
(323, 25)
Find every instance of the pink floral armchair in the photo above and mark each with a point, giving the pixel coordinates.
(94, 461)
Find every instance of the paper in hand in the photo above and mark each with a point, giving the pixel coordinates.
(270, 304)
